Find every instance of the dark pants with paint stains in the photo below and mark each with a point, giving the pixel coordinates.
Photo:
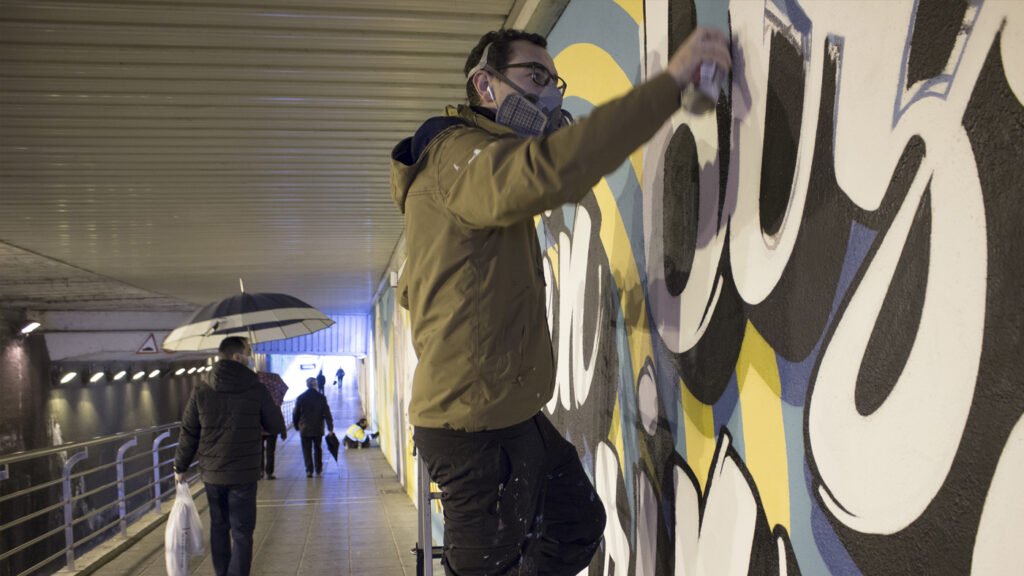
(516, 500)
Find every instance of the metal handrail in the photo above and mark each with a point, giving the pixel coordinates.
(123, 499)
(286, 411)
(27, 491)
(42, 563)
(30, 454)
(31, 542)
(39, 512)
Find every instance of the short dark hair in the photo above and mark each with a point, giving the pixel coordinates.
(233, 345)
(362, 423)
(499, 54)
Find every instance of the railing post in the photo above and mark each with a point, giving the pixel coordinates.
(156, 467)
(122, 504)
(69, 532)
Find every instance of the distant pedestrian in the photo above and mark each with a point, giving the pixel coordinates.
(340, 375)
(277, 388)
(321, 381)
(269, 449)
(309, 416)
(222, 424)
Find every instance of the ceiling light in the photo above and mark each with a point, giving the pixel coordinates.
(138, 374)
(119, 375)
(96, 377)
(154, 373)
(30, 327)
(179, 371)
(192, 370)
(68, 377)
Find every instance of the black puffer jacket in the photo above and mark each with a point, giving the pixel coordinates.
(223, 422)
(311, 411)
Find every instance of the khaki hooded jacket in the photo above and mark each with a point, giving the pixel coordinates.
(473, 281)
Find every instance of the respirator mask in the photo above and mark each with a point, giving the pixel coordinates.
(528, 114)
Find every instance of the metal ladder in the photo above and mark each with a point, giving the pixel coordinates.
(424, 550)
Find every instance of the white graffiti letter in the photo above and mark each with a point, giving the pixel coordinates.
(575, 368)
(881, 471)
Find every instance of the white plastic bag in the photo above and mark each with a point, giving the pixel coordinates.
(184, 534)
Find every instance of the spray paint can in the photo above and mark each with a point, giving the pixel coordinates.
(701, 94)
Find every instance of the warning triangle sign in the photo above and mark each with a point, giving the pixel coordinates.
(149, 346)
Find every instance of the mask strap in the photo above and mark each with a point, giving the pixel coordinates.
(505, 79)
(480, 65)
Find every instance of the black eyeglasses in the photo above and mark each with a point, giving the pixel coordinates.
(540, 75)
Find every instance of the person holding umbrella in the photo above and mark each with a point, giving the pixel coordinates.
(277, 388)
(222, 423)
(309, 416)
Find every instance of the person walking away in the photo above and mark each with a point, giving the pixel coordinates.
(310, 415)
(321, 381)
(277, 388)
(269, 449)
(222, 424)
(470, 182)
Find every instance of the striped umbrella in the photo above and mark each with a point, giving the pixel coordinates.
(259, 317)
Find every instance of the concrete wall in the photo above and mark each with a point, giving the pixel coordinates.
(24, 386)
(35, 413)
(789, 333)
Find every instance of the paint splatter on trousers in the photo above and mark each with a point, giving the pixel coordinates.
(516, 500)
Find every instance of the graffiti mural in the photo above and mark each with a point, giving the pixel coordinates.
(788, 333)
(392, 362)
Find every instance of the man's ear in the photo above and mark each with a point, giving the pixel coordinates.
(481, 81)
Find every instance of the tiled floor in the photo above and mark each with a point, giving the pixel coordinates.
(354, 520)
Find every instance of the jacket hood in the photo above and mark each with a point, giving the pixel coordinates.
(406, 156)
(230, 377)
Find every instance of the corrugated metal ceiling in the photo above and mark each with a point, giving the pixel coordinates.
(177, 146)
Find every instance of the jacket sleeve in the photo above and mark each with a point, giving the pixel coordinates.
(496, 181)
(270, 415)
(327, 416)
(297, 413)
(188, 438)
